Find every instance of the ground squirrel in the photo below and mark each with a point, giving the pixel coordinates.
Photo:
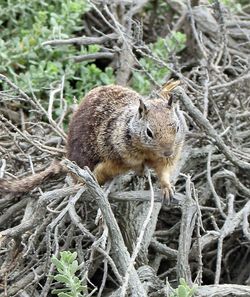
(115, 130)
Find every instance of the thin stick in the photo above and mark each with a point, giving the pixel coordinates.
(139, 239)
(211, 185)
(218, 261)
(81, 40)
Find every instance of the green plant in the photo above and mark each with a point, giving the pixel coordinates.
(25, 25)
(159, 50)
(162, 7)
(184, 290)
(232, 5)
(66, 268)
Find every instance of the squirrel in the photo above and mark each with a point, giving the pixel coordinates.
(115, 130)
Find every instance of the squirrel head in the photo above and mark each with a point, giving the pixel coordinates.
(157, 126)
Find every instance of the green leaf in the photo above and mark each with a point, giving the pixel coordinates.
(93, 48)
(83, 288)
(182, 292)
(62, 278)
(65, 295)
(74, 267)
(72, 256)
(183, 282)
(68, 257)
(57, 291)
(57, 263)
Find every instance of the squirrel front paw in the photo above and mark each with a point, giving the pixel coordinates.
(168, 195)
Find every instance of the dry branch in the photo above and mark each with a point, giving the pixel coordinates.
(189, 213)
(223, 290)
(82, 40)
(214, 70)
(205, 124)
(119, 251)
(95, 56)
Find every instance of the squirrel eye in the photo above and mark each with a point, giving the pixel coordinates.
(177, 128)
(149, 133)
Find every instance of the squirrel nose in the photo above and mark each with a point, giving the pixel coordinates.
(168, 153)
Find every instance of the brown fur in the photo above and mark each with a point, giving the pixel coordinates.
(109, 134)
(26, 184)
(100, 135)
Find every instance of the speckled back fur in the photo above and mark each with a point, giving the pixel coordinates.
(101, 128)
(115, 130)
(99, 112)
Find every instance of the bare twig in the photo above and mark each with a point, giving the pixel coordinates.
(94, 56)
(81, 40)
(199, 118)
(139, 239)
(120, 253)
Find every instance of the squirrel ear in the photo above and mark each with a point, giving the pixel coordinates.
(168, 87)
(170, 100)
(143, 110)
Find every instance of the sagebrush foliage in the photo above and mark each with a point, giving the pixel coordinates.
(184, 290)
(25, 25)
(160, 51)
(67, 267)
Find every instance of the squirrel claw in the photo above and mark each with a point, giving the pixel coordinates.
(169, 196)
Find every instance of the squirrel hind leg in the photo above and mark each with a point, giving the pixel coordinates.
(140, 170)
(107, 170)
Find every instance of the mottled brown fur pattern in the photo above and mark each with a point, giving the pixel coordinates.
(115, 130)
(26, 184)
(91, 131)
(109, 134)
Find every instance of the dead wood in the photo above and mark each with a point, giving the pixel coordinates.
(132, 243)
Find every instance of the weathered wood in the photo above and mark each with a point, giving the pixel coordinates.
(119, 250)
(224, 290)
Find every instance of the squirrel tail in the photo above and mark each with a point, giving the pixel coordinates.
(27, 184)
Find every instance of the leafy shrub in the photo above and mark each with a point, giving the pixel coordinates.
(159, 50)
(67, 267)
(25, 25)
(184, 290)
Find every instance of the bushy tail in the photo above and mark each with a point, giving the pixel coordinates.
(27, 184)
